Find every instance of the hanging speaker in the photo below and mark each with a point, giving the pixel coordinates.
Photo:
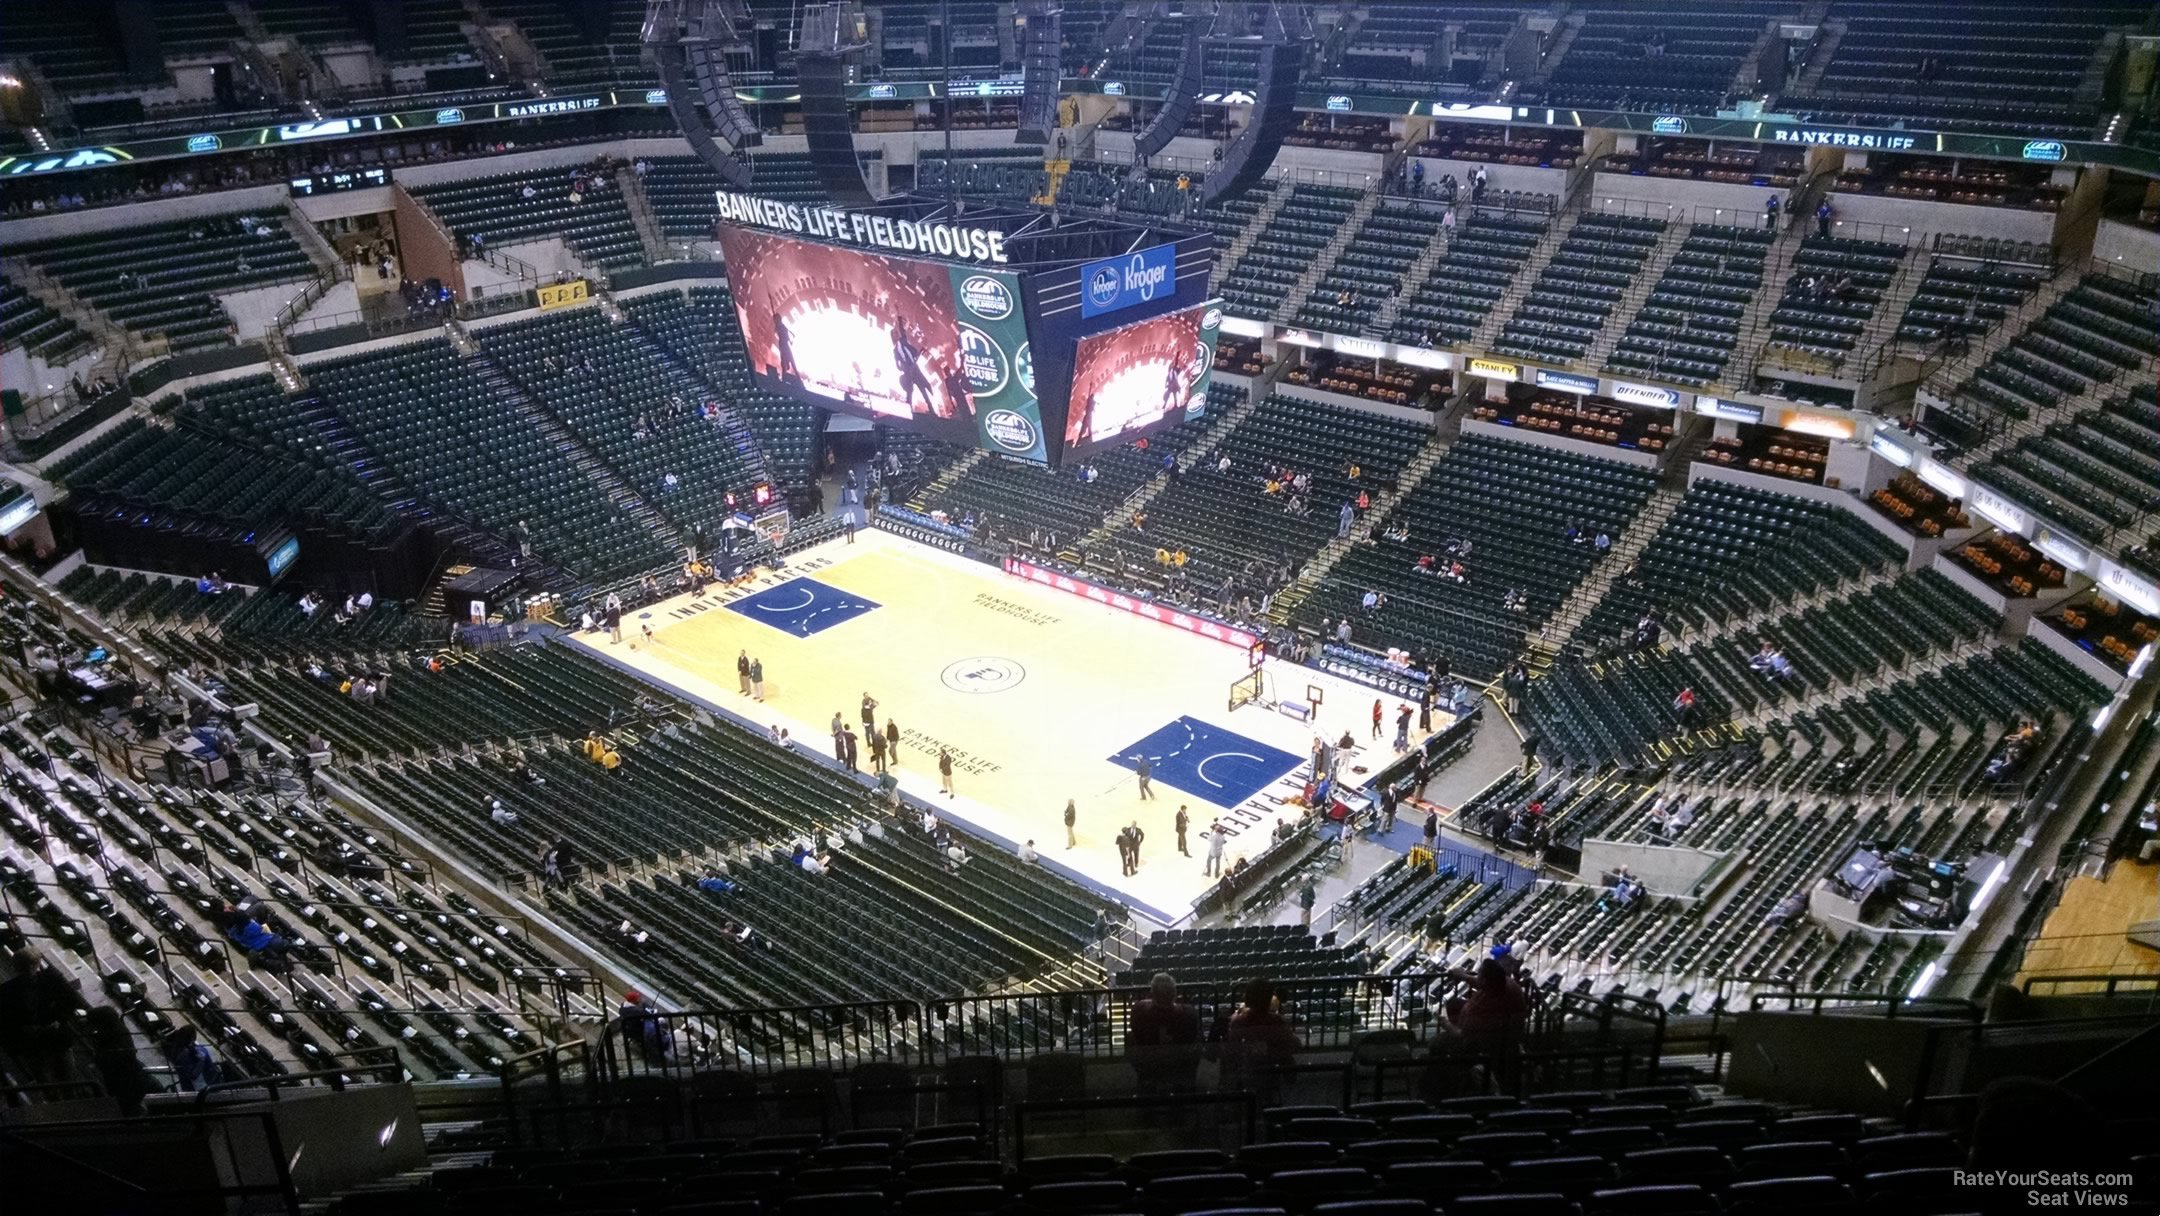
(1040, 67)
(689, 41)
(832, 35)
(1185, 87)
(1249, 156)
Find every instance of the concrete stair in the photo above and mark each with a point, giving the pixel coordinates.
(1818, 60)
(655, 241)
(1638, 292)
(2042, 418)
(87, 317)
(1626, 549)
(1345, 236)
(310, 238)
(946, 480)
(1413, 280)
(1147, 492)
(1412, 475)
(620, 496)
(1777, 273)
(1504, 308)
(1244, 242)
(2092, 83)
(1562, 40)
(1749, 74)
(1944, 381)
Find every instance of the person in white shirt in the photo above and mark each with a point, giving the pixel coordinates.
(1028, 855)
(367, 600)
(500, 813)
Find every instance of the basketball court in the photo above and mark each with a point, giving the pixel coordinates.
(1039, 694)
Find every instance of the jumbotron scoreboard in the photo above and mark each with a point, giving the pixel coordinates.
(1035, 340)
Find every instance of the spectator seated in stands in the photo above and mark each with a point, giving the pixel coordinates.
(1771, 661)
(261, 943)
(1626, 892)
(2015, 747)
(194, 1068)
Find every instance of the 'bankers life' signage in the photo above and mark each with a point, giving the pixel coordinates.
(859, 228)
(1134, 278)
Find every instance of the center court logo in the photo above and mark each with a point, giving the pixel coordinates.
(982, 675)
(986, 297)
(1011, 430)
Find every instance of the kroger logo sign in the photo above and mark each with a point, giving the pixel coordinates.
(1122, 282)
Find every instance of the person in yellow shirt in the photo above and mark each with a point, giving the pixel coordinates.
(1178, 559)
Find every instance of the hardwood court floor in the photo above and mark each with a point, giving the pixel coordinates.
(1034, 691)
(2084, 935)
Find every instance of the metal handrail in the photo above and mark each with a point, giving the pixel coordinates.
(1890, 1002)
(387, 1073)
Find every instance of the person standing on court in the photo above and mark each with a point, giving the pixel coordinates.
(1376, 717)
(614, 620)
(1216, 839)
(742, 671)
(1072, 816)
(892, 741)
(1183, 821)
(877, 753)
(839, 739)
(1432, 829)
(869, 714)
(1402, 727)
(944, 769)
(850, 743)
(1147, 774)
(757, 679)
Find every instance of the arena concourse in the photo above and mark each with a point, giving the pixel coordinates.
(1598, 661)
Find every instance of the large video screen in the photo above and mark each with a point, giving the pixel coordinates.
(931, 347)
(1141, 377)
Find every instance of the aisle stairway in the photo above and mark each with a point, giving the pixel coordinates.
(618, 493)
(1200, 450)
(1316, 570)
(1625, 550)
